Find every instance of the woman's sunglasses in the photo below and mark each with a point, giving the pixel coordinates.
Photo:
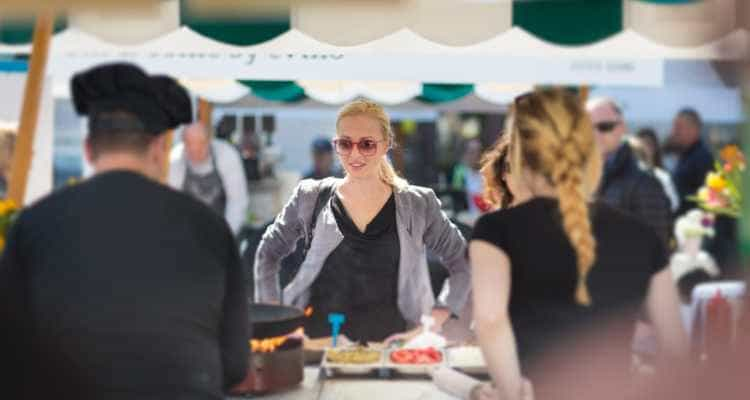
(366, 147)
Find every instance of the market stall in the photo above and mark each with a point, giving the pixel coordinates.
(402, 65)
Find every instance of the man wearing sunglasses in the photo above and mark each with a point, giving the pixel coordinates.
(624, 184)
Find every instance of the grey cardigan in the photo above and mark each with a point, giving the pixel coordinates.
(421, 225)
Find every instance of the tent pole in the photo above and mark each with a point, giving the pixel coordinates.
(22, 153)
(205, 109)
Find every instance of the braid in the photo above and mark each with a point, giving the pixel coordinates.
(575, 221)
(558, 143)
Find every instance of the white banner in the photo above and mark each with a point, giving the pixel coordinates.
(454, 68)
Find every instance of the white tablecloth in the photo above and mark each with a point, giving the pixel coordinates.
(312, 388)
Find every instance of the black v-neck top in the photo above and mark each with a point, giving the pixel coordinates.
(360, 279)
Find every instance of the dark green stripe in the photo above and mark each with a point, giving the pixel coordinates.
(569, 22)
(286, 91)
(21, 31)
(438, 93)
(239, 31)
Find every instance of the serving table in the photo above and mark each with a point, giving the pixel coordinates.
(316, 387)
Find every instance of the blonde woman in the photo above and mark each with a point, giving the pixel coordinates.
(366, 256)
(554, 266)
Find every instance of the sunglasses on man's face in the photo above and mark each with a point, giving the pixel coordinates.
(366, 147)
(606, 126)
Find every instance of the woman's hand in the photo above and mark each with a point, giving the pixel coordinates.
(440, 315)
(402, 337)
(485, 391)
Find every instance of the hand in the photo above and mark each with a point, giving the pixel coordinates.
(527, 390)
(440, 315)
(485, 391)
(403, 336)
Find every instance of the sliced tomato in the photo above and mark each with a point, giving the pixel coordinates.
(416, 356)
(401, 357)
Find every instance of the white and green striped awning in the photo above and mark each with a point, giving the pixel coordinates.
(397, 50)
(682, 23)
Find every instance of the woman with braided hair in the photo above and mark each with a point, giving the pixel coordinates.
(555, 266)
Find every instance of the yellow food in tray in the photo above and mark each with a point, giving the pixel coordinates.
(353, 355)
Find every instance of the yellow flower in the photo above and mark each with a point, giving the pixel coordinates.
(2, 242)
(704, 194)
(7, 206)
(716, 181)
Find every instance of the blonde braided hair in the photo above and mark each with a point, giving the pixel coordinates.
(552, 136)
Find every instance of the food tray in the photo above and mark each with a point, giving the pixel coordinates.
(332, 368)
(467, 359)
(413, 369)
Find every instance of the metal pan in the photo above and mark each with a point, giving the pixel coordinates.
(271, 320)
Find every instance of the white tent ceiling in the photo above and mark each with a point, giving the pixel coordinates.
(388, 67)
(391, 67)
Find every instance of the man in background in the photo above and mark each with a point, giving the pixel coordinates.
(467, 179)
(323, 160)
(211, 171)
(694, 163)
(624, 184)
(695, 159)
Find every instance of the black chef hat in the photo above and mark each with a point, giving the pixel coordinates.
(159, 103)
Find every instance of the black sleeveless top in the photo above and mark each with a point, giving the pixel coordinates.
(360, 279)
(542, 308)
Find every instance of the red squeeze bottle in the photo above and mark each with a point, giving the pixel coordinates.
(718, 333)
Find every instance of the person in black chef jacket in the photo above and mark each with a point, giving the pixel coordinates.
(119, 287)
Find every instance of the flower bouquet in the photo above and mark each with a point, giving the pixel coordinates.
(722, 192)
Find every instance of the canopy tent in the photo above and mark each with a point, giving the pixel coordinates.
(457, 23)
(421, 55)
(604, 42)
(513, 58)
(572, 22)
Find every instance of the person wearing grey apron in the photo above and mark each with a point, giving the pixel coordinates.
(208, 188)
(210, 170)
